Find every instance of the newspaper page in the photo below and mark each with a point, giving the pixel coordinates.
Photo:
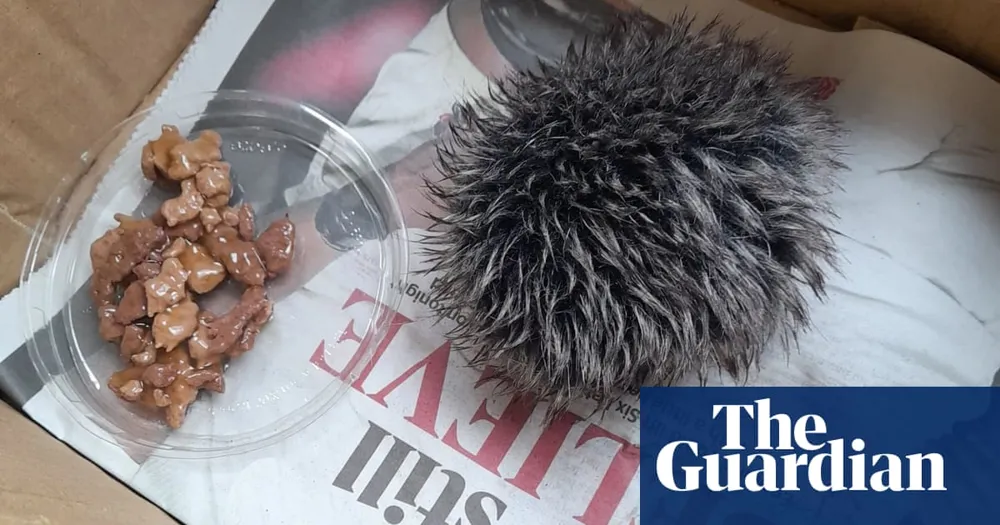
(417, 440)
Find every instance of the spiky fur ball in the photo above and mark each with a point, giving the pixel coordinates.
(649, 209)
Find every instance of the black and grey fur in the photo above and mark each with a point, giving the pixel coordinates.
(652, 207)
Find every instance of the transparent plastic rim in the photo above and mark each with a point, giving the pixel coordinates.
(393, 265)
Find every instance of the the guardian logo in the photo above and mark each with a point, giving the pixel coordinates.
(822, 464)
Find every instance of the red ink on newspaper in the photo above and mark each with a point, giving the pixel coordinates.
(506, 426)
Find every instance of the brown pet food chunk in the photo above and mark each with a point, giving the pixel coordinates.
(146, 357)
(230, 217)
(160, 398)
(102, 290)
(127, 384)
(127, 223)
(180, 392)
(225, 332)
(205, 273)
(156, 153)
(215, 184)
(108, 328)
(135, 339)
(276, 246)
(253, 327)
(176, 248)
(133, 304)
(181, 395)
(200, 338)
(159, 375)
(246, 224)
(121, 378)
(210, 218)
(208, 378)
(184, 207)
(131, 391)
(174, 325)
(167, 288)
(147, 162)
(119, 250)
(238, 256)
(190, 230)
(146, 270)
(179, 360)
(186, 159)
(105, 247)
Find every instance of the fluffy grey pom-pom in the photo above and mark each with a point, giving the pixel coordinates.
(654, 207)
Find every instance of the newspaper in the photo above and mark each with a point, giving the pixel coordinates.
(416, 440)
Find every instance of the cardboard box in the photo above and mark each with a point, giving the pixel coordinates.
(966, 29)
(73, 69)
(44, 481)
(70, 71)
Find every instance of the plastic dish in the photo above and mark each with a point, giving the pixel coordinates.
(287, 381)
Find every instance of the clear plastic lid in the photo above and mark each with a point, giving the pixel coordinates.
(350, 250)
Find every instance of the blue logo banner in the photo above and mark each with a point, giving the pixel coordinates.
(820, 456)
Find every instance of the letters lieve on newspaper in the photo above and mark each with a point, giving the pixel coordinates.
(415, 440)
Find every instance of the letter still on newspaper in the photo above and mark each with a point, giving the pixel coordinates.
(820, 456)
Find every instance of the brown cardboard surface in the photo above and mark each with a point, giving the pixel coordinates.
(775, 7)
(70, 71)
(968, 29)
(42, 481)
(863, 22)
(787, 12)
(73, 69)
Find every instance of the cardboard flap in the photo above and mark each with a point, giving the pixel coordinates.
(968, 29)
(71, 70)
